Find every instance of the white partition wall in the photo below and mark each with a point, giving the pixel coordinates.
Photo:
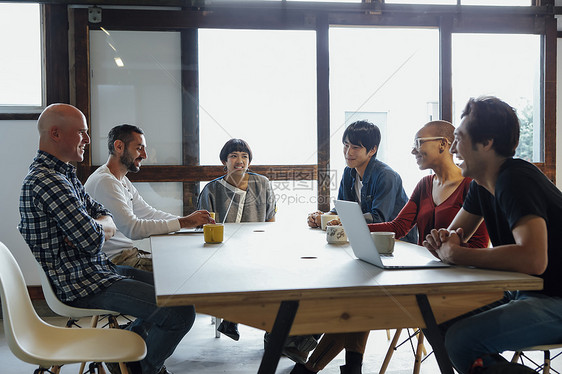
(18, 145)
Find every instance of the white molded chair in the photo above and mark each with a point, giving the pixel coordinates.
(60, 308)
(74, 314)
(34, 341)
(545, 366)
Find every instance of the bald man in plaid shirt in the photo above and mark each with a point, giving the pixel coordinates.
(66, 229)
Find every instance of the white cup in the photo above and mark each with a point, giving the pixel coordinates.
(335, 234)
(325, 218)
(384, 241)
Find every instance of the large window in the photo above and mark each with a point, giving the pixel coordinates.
(260, 86)
(428, 2)
(464, 2)
(20, 59)
(497, 2)
(135, 79)
(506, 66)
(288, 78)
(390, 77)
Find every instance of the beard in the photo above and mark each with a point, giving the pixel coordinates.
(127, 160)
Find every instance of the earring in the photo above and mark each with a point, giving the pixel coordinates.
(224, 167)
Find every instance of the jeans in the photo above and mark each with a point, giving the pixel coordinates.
(162, 328)
(522, 319)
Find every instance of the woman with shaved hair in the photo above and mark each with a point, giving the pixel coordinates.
(438, 197)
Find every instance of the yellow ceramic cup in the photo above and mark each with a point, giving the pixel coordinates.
(213, 233)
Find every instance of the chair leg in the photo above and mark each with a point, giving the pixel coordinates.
(390, 351)
(71, 322)
(82, 367)
(96, 367)
(546, 368)
(113, 324)
(94, 321)
(123, 368)
(217, 323)
(516, 356)
(418, 358)
(387, 334)
(51, 370)
(420, 334)
(93, 324)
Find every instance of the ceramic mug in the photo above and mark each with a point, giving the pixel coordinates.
(335, 234)
(384, 241)
(213, 233)
(325, 218)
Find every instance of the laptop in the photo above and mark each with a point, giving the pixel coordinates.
(364, 247)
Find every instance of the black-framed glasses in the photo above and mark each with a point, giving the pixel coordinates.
(419, 141)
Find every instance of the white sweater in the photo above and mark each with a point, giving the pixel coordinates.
(134, 218)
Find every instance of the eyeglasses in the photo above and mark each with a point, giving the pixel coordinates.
(419, 141)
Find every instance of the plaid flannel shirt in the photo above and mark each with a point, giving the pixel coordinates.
(58, 223)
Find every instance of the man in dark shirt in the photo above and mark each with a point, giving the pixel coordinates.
(66, 229)
(523, 214)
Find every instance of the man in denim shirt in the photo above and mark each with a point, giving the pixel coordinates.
(370, 182)
(66, 229)
(378, 189)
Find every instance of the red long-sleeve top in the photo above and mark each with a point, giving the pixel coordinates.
(421, 210)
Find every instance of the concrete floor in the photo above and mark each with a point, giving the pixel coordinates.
(200, 352)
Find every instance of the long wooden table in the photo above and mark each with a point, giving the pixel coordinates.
(288, 280)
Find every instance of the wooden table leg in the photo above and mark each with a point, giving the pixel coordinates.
(278, 336)
(434, 336)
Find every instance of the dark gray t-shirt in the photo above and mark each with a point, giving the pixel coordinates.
(521, 190)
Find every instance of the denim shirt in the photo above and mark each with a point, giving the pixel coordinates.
(382, 194)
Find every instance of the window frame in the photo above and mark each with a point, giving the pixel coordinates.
(308, 16)
(54, 63)
(30, 112)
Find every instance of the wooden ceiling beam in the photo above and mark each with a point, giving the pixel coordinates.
(159, 3)
(543, 8)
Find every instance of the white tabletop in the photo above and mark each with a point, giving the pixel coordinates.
(271, 261)
(246, 278)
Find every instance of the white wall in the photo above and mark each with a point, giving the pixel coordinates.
(18, 145)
